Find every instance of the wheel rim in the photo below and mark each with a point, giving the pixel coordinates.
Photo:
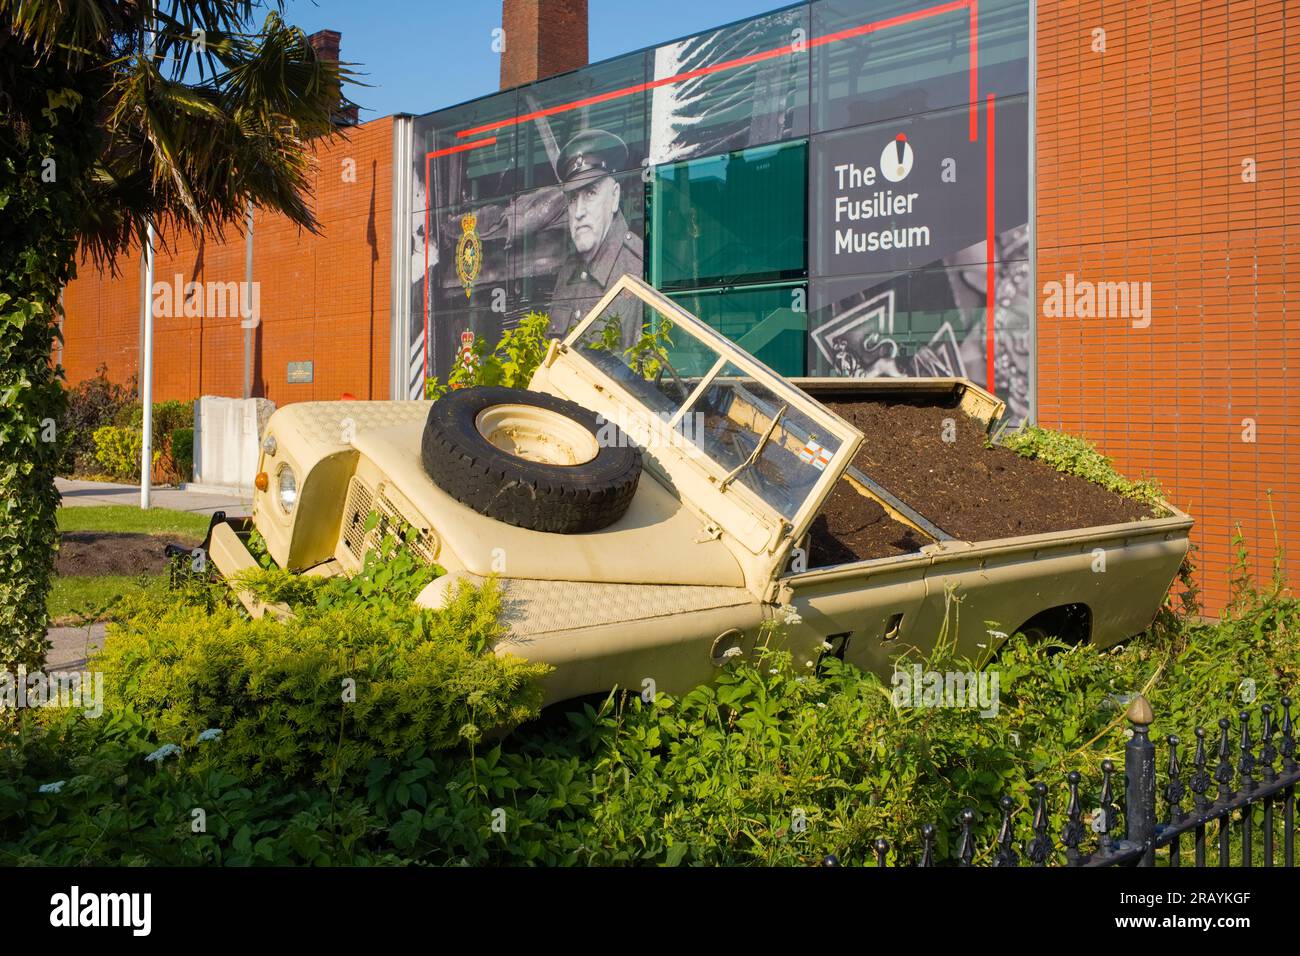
(537, 434)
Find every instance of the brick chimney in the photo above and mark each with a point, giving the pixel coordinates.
(543, 37)
(326, 44)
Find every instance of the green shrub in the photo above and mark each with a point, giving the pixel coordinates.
(92, 404)
(713, 777)
(118, 451)
(118, 447)
(776, 763)
(181, 445)
(1077, 456)
(321, 694)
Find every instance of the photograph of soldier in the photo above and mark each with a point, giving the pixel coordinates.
(604, 248)
(554, 248)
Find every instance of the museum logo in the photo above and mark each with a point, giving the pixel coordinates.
(862, 199)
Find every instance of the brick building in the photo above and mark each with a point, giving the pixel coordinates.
(1136, 142)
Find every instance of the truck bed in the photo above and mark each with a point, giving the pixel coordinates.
(926, 456)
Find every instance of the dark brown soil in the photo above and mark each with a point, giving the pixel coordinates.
(973, 492)
(853, 527)
(92, 553)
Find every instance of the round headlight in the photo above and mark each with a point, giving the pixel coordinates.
(287, 488)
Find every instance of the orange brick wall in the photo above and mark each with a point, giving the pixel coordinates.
(324, 298)
(1139, 166)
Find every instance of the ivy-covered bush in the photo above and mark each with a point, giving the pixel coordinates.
(47, 133)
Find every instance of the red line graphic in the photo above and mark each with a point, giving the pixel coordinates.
(477, 144)
(990, 247)
(974, 68)
(848, 34)
(972, 6)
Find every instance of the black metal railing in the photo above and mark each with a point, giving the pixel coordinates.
(1254, 791)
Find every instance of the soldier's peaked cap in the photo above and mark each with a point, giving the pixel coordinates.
(591, 154)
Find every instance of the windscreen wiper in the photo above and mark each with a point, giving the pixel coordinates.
(758, 450)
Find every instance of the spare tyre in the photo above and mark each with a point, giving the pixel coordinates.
(529, 459)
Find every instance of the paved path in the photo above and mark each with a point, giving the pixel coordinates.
(72, 645)
(83, 493)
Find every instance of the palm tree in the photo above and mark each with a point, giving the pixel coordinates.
(115, 114)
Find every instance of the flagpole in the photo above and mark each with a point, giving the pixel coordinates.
(146, 372)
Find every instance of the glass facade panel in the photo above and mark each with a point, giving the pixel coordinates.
(744, 85)
(473, 167)
(738, 217)
(878, 59)
(542, 138)
(871, 154)
(770, 323)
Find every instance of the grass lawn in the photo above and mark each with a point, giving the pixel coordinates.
(73, 596)
(127, 518)
(85, 594)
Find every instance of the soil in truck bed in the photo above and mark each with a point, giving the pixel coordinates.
(853, 527)
(973, 492)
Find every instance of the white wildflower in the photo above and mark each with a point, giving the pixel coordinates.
(731, 653)
(163, 752)
(54, 787)
(212, 733)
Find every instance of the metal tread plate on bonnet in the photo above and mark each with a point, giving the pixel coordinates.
(326, 423)
(532, 607)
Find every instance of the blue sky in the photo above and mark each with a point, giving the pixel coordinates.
(422, 55)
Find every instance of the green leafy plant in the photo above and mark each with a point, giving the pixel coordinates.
(181, 446)
(92, 404)
(323, 692)
(510, 363)
(776, 763)
(118, 451)
(1077, 456)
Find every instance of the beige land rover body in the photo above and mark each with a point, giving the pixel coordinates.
(712, 542)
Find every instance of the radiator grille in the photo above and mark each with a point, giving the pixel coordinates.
(425, 546)
(361, 501)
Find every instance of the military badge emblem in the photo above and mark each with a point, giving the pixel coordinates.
(469, 253)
